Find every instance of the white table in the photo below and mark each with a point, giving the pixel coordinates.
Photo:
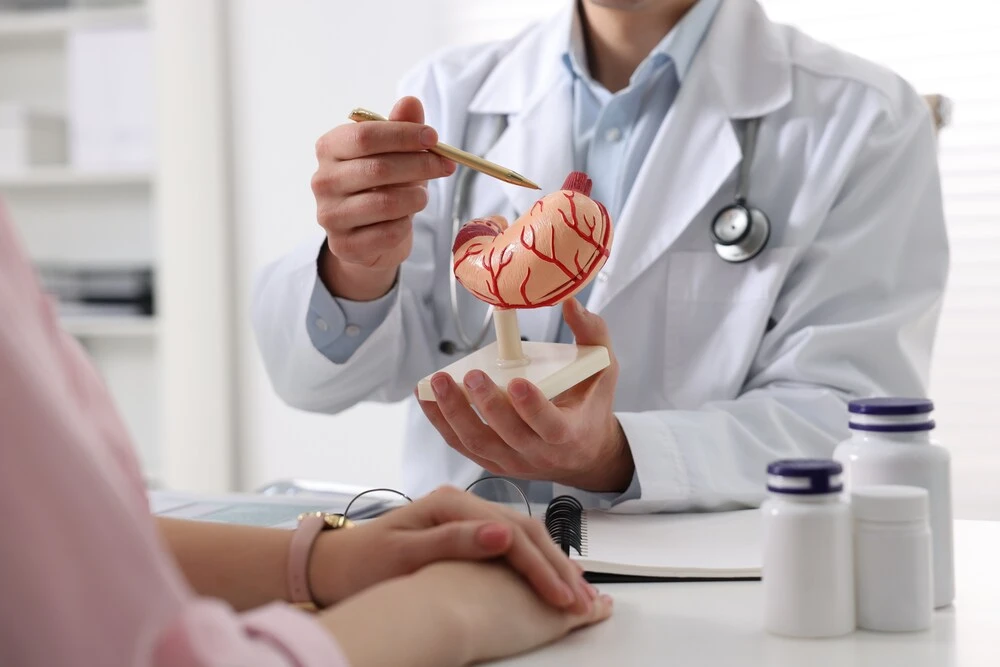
(698, 624)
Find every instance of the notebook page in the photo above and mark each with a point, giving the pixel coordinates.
(720, 544)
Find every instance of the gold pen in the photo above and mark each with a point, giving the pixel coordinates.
(468, 159)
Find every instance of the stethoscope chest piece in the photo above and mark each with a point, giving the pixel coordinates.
(740, 232)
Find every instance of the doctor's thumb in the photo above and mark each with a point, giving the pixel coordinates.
(409, 110)
(587, 327)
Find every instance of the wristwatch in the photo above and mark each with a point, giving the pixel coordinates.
(310, 525)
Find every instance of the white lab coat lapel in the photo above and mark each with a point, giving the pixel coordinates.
(741, 71)
(691, 157)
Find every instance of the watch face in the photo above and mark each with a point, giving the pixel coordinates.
(336, 521)
(330, 520)
(731, 225)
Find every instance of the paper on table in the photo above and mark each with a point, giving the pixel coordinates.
(725, 545)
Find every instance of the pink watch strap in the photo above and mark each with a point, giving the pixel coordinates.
(303, 539)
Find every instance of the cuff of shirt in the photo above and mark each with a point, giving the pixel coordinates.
(602, 500)
(633, 492)
(660, 481)
(338, 327)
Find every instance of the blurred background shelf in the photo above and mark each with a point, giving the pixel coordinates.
(67, 177)
(79, 175)
(44, 24)
(98, 326)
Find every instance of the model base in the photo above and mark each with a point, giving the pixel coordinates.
(552, 367)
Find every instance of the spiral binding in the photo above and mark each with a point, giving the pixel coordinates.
(564, 521)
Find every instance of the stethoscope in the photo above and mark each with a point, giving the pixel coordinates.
(739, 231)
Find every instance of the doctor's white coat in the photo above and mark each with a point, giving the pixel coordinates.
(723, 367)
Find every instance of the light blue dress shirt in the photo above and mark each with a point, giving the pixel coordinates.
(612, 133)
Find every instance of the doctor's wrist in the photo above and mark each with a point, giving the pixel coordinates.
(354, 282)
(612, 470)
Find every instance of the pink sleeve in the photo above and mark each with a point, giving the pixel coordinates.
(83, 574)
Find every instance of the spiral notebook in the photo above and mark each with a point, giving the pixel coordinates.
(657, 547)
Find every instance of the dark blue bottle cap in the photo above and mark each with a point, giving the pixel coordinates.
(890, 406)
(805, 476)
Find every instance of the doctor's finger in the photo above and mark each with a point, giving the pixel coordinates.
(365, 208)
(381, 170)
(496, 409)
(539, 414)
(588, 328)
(474, 436)
(440, 423)
(391, 241)
(357, 140)
(408, 108)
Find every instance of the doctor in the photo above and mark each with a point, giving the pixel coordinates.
(719, 366)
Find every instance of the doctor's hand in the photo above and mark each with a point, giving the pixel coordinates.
(575, 439)
(447, 524)
(371, 180)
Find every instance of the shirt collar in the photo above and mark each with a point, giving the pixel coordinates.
(679, 46)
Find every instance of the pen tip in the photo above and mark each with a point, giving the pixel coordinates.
(525, 183)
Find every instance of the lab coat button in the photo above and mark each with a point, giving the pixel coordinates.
(321, 324)
(613, 135)
(352, 330)
(602, 276)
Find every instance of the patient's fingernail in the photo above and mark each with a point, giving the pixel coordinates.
(493, 536)
(566, 594)
(440, 386)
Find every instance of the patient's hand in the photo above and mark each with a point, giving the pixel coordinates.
(451, 614)
(446, 525)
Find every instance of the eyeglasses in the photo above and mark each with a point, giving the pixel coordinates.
(375, 502)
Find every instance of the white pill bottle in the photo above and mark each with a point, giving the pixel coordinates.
(808, 560)
(893, 567)
(891, 444)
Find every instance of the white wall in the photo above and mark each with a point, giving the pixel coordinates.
(298, 69)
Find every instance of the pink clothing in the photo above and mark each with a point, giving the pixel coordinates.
(84, 579)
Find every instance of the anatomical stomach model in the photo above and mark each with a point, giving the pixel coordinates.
(542, 259)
